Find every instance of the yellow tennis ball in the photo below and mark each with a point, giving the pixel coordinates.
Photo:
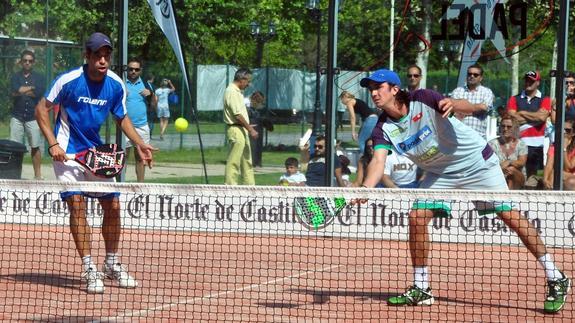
(181, 124)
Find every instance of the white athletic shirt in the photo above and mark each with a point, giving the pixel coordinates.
(438, 145)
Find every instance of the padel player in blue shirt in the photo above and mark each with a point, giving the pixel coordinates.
(86, 96)
(419, 125)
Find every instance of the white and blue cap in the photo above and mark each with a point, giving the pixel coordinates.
(97, 41)
(381, 76)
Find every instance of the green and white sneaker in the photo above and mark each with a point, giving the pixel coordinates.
(557, 291)
(413, 296)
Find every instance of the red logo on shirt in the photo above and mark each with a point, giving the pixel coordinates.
(417, 117)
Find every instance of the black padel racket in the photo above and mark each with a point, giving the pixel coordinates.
(105, 160)
(316, 213)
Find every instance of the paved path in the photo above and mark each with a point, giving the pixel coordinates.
(166, 170)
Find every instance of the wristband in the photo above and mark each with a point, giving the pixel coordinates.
(56, 144)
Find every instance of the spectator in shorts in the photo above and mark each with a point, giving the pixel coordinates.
(511, 151)
(86, 96)
(480, 97)
(136, 103)
(420, 126)
(314, 165)
(368, 118)
(292, 176)
(531, 110)
(27, 88)
(166, 87)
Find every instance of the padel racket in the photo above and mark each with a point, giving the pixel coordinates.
(316, 213)
(105, 160)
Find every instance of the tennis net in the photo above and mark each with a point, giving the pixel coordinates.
(223, 253)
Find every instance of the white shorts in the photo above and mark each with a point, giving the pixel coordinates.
(72, 171)
(163, 111)
(486, 177)
(144, 132)
(29, 128)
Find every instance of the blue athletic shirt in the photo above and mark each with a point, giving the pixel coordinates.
(436, 144)
(84, 106)
(136, 103)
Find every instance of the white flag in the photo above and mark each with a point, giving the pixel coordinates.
(164, 14)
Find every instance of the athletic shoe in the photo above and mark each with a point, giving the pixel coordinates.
(94, 281)
(118, 273)
(557, 291)
(413, 296)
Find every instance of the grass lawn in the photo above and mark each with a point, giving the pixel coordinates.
(261, 179)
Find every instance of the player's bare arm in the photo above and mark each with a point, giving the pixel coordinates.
(376, 168)
(42, 113)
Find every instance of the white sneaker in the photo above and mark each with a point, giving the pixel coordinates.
(94, 281)
(118, 273)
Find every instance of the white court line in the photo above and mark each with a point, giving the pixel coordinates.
(144, 312)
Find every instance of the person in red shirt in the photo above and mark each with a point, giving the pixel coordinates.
(531, 111)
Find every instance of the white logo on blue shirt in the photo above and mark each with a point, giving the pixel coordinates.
(87, 100)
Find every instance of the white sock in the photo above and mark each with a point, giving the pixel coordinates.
(87, 262)
(111, 259)
(421, 278)
(551, 272)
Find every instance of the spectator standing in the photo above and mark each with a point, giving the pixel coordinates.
(166, 87)
(512, 152)
(531, 111)
(138, 94)
(254, 103)
(151, 102)
(292, 176)
(480, 97)
(87, 95)
(239, 168)
(413, 78)
(27, 87)
(400, 172)
(314, 165)
(368, 118)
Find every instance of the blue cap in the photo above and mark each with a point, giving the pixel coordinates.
(97, 41)
(381, 76)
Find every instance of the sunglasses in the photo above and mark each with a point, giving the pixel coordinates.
(133, 69)
(413, 76)
(569, 82)
(319, 146)
(473, 74)
(568, 130)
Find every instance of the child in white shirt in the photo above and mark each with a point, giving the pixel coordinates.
(292, 176)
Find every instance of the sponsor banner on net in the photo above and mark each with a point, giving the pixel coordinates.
(385, 219)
